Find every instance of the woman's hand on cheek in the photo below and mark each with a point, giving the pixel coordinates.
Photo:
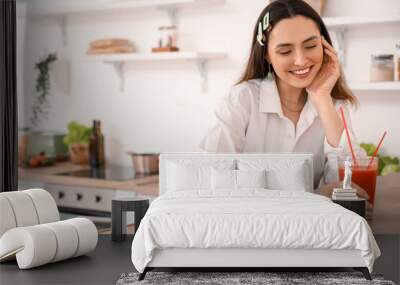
(323, 83)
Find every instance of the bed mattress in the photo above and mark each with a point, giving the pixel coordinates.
(250, 219)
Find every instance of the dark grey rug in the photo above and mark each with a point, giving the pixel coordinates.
(269, 278)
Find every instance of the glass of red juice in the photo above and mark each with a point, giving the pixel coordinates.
(363, 174)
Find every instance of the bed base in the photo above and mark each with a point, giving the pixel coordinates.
(363, 270)
(250, 259)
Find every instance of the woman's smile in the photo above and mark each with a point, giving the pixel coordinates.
(302, 73)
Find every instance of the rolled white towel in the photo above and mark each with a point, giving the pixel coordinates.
(33, 246)
(23, 208)
(87, 235)
(7, 218)
(37, 245)
(67, 240)
(26, 208)
(45, 205)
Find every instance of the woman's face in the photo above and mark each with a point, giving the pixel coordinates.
(295, 51)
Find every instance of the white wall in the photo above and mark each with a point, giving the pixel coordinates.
(162, 107)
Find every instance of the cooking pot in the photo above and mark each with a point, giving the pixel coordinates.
(144, 162)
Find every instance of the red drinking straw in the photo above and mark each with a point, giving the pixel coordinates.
(348, 136)
(377, 149)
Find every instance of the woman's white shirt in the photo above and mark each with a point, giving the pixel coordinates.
(250, 120)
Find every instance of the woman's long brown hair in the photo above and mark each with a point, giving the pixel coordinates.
(257, 66)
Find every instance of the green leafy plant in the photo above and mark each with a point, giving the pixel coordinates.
(386, 164)
(40, 105)
(369, 148)
(77, 133)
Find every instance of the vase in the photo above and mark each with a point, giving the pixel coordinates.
(79, 153)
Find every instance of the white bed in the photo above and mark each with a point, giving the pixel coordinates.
(194, 223)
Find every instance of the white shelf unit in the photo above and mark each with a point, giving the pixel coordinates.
(66, 7)
(375, 86)
(339, 26)
(61, 9)
(338, 22)
(118, 61)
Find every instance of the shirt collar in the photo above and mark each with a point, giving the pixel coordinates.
(269, 97)
(270, 102)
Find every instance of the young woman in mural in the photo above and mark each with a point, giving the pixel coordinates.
(289, 96)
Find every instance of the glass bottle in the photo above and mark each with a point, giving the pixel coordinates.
(96, 146)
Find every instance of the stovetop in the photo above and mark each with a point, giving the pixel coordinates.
(108, 172)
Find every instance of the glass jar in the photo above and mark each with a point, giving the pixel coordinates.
(382, 67)
(167, 36)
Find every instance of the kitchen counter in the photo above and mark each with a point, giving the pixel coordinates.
(147, 185)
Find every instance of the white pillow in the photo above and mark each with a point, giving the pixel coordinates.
(223, 179)
(251, 178)
(281, 174)
(291, 179)
(190, 174)
(181, 177)
(236, 179)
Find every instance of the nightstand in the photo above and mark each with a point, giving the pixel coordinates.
(120, 206)
(356, 205)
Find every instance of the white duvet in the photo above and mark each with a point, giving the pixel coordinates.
(250, 219)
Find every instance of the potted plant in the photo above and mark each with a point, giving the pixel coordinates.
(77, 140)
(40, 105)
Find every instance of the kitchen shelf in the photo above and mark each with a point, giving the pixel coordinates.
(118, 61)
(339, 25)
(375, 86)
(343, 22)
(62, 9)
(66, 7)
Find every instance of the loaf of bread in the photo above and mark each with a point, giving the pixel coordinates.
(110, 45)
(105, 43)
(116, 49)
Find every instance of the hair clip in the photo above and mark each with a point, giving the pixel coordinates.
(263, 26)
(266, 21)
(260, 35)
